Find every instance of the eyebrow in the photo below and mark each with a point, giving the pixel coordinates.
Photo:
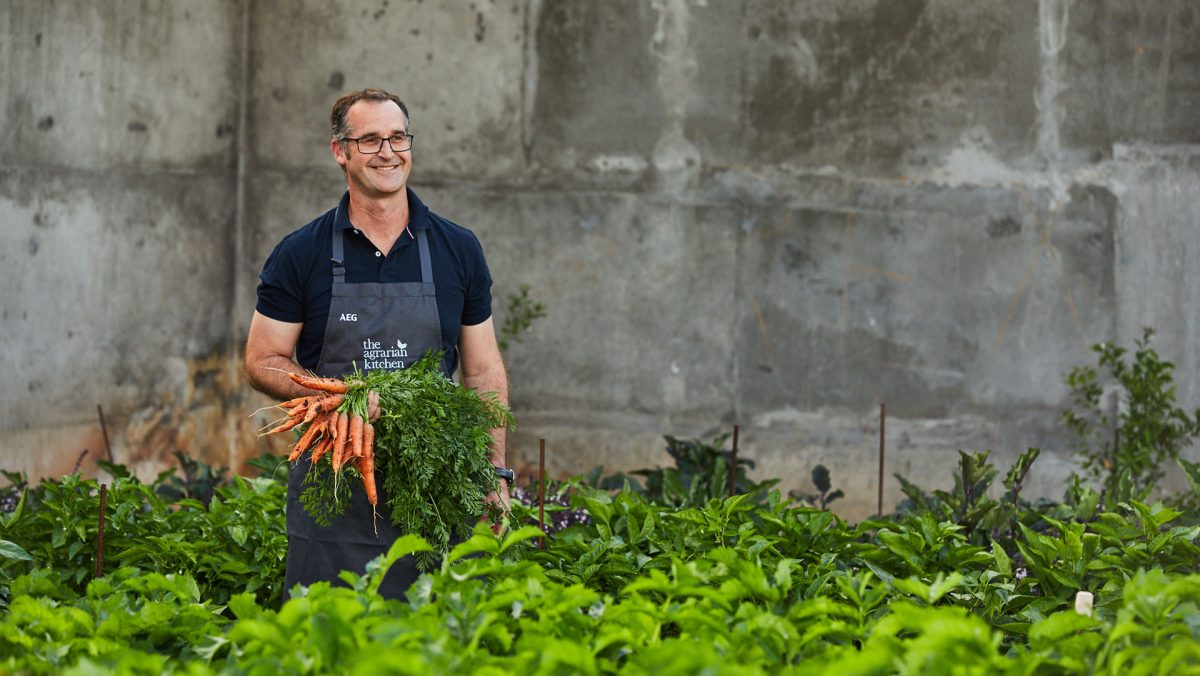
(390, 134)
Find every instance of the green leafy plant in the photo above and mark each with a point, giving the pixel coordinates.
(523, 311)
(234, 544)
(1140, 431)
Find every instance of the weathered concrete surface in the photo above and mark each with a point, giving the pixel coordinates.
(117, 203)
(119, 84)
(773, 214)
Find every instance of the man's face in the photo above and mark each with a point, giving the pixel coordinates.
(380, 174)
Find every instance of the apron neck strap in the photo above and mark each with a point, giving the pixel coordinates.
(339, 258)
(426, 265)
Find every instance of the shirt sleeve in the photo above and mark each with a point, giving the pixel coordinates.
(280, 294)
(477, 304)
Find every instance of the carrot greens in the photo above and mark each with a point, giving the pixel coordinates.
(431, 450)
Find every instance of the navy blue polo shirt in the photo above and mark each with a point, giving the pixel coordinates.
(296, 282)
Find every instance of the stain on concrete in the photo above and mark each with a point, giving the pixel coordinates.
(480, 28)
(788, 96)
(1098, 208)
(225, 129)
(797, 259)
(137, 127)
(336, 80)
(46, 123)
(33, 246)
(999, 228)
(865, 85)
(1131, 72)
(597, 86)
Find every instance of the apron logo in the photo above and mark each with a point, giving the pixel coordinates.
(378, 357)
(349, 316)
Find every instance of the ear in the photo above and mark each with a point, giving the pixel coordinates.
(339, 152)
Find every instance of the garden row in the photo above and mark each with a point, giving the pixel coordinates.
(648, 581)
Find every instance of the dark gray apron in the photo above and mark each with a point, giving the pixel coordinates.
(377, 327)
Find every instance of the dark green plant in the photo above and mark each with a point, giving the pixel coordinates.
(199, 481)
(823, 496)
(700, 474)
(983, 518)
(523, 311)
(1136, 435)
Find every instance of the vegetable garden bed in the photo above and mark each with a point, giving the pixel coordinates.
(642, 583)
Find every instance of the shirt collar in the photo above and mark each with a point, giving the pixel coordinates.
(418, 213)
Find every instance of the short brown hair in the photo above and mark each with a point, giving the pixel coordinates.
(337, 119)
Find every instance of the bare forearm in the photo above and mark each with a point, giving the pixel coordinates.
(269, 376)
(493, 380)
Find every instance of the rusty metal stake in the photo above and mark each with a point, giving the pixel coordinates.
(100, 539)
(542, 491)
(733, 464)
(882, 424)
(104, 429)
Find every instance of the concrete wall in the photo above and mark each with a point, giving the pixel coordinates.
(773, 214)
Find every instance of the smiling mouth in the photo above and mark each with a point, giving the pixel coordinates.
(388, 167)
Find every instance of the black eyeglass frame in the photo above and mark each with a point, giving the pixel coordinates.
(390, 141)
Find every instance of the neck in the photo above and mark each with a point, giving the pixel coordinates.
(382, 219)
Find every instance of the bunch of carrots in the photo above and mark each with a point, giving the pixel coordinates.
(348, 439)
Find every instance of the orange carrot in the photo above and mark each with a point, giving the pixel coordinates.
(356, 436)
(368, 445)
(367, 468)
(322, 448)
(328, 424)
(305, 441)
(323, 384)
(284, 426)
(340, 450)
(296, 403)
(311, 411)
(339, 441)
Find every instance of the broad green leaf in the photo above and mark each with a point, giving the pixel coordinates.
(1003, 562)
(1060, 625)
(519, 535)
(11, 550)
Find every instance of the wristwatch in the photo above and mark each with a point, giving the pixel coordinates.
(506, 473)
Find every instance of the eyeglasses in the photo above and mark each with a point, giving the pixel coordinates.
(369, 145)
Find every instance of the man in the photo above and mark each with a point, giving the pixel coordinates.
(379, 271)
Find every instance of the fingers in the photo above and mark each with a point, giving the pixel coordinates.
(373, 406)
